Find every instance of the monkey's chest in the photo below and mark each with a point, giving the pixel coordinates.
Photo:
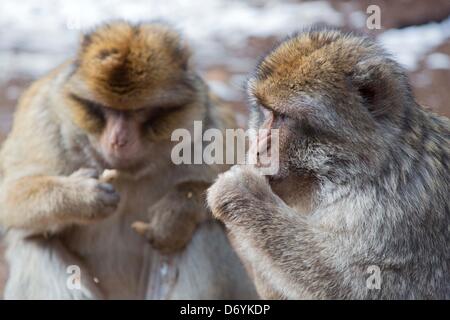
(122, 262)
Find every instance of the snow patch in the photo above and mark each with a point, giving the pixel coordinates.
(438, 60)
(35, 28)
(409, 45)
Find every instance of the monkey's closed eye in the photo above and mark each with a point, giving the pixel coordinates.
(265, 110)
(269, 112)
(159, 113)
(94, 109)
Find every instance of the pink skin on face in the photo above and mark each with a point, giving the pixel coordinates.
(120, 142)
(261, 144)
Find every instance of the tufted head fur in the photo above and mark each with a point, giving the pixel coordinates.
(119, 62)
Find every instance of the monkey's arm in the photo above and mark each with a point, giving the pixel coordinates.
(43, 203)
(174, 218)
(281, 245)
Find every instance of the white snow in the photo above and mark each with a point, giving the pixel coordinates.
(438, 60)
(47, 30)
(358, 19)
(409, 45)
(37, 35)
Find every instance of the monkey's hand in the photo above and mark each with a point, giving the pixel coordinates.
(48, 203)
(272, 238)
(243, 200)
(237, 192)
(174, 218)
(97, 198)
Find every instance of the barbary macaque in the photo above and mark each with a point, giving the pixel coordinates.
(92, 205)
(359, 208)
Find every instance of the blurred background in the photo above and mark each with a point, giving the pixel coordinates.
(227, 38)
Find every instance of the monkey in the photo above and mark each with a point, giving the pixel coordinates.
(92, 205)
(359, 207)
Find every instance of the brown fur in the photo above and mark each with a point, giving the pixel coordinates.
(119, 62)
(59, 212)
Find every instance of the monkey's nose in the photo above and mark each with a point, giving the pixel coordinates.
(268, 118)
(118, 143)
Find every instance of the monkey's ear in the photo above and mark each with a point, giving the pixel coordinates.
(184, 53)
(381, 83)
(85, 40)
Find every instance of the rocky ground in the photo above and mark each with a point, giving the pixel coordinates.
(228, 39)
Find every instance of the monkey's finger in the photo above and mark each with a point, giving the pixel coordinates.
(106, 194)
(86, 173)
(109, 198)
(109, 188)
(140, 227)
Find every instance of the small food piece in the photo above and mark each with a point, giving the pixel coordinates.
(140, 227)
(109, 176)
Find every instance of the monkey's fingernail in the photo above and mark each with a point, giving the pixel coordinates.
(140, 227)
(106, 187)
(189, 195)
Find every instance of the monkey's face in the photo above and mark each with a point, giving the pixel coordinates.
(119, 143)
(131, 138)
(130, 89)
(333, 100)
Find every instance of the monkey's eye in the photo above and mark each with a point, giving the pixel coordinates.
(278, 115)
(92, 108)
(265, 111)
(156, 114)
(95, 110)
(269, 112)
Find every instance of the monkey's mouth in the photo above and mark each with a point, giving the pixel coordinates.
(123, 163)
